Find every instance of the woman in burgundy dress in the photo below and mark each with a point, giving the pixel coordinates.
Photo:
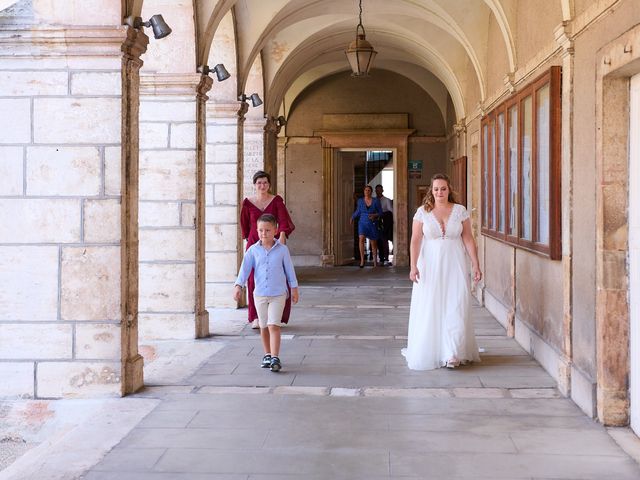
(252, 208)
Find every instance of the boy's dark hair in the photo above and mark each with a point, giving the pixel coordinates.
(261, 174)
(267, 217)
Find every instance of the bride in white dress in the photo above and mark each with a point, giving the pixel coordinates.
(440, 327)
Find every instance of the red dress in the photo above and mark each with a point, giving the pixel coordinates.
(249, 224)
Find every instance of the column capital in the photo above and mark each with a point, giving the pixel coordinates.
(242, 111)
(206, 82)
(563, 35)
(178, 84)
(134, 45)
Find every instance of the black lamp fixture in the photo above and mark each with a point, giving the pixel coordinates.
(157, 23)
(281, 121)
(221, 73)
(360, 52)
(254, 97)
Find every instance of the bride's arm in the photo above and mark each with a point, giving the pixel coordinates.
(414, 250)
(470, 246)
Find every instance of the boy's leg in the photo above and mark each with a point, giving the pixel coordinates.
(276, 307)
(262, 308)
(266, 341)
(274, 333)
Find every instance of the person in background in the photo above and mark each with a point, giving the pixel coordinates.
(386, 232)
(367, 213)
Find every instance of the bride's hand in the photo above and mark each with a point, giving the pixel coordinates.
(477, 274)
(414, 275)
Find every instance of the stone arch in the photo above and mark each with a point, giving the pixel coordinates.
(505, 28)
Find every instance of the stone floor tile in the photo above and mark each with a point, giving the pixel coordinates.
(165, 419)
(130, 459)
(235, 438)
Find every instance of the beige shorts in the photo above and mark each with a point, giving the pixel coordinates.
(269, 309)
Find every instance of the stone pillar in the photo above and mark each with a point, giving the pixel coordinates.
(564, 39)
(224, 175)
(253, 152)
(328, 251)
(68, 267)
(282, 167)
(168, 177)
(271, 130)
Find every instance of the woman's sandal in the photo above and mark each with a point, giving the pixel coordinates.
(453, 363)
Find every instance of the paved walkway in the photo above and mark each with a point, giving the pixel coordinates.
(345, 405)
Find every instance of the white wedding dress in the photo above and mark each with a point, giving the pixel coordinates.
(440, 326)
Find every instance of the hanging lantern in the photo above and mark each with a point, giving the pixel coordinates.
(360, 52)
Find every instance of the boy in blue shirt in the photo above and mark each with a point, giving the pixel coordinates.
(273, 269)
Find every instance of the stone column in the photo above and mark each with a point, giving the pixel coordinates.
(68, 267)
(282, 167)
(564, 39)
(271, 130)
(253, 149)
(168, 179)
(328, 252)
(224, 175)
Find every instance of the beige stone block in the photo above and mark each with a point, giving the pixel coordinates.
(221, 214)
(221, 267)
(78, 379)
(28, 273)
(167, 111)
(17, 379)
(167, 287)
(220, 295)
(11, 170)
(112, 170)
(32, 83)
(225, 194)
(15, 120)
(222, 173)
(154, 135)
(36, 341)
(167, 245)
(39, 221)
(96, 83)
(225, 134)
(222, 152)
(208, 194)
(77, 12)
(164, 326)
(220, 238)
(102, 221)
(183, 135)
(167, 175)
(158, 214)
(63, 171)
(90, 283)
(77, 120)
(188, 214)
(98, 341)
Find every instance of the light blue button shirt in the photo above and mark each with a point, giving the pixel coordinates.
(273, 269)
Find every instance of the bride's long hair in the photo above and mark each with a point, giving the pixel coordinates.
(429, 201)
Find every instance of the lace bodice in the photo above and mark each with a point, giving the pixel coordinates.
(431, 228)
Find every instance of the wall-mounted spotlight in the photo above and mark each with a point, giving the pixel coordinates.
(281, 121)
(254, 97)
(157, 23)
(221, 73)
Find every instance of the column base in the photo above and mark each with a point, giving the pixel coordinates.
(613, 407)
(202, 324)
(133, 375)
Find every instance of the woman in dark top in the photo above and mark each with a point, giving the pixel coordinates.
(367, 212)
(252, 207)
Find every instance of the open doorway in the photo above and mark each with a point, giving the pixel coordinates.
(355, 169)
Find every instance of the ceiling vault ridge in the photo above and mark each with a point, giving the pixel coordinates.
(498, 12)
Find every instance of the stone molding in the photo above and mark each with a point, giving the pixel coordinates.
(170, 84)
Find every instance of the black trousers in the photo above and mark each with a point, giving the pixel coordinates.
(384, 236)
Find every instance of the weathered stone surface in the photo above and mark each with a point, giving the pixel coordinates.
(167, 287)
(35, 342)
(222, 153)
(102, 221)
(63, 171)
(225, 194)
(183, 135)
(221, 267)
(112, 170)
(222, 172)
(15, 128)
(220, 295)
(154, 135)
(221, 214)
(163, 326)
(615, 234)
(78, 379)
(167, 111)
(11, 170)
(76, 12)
(158, 214)
(221, 238)
(78, 120)
(28, 273)
(166, 245)
(98, 341)
(188, 215)
(32, 83)
(90, 283)
(167, 175)
(96, 83)
(223, 134)
(17, 379)
(208, 194)
(39, 221)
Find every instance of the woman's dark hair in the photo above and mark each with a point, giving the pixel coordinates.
(429, 201)
(268, 218)
(261, 174)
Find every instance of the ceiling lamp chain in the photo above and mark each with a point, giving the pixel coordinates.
(360, 52)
